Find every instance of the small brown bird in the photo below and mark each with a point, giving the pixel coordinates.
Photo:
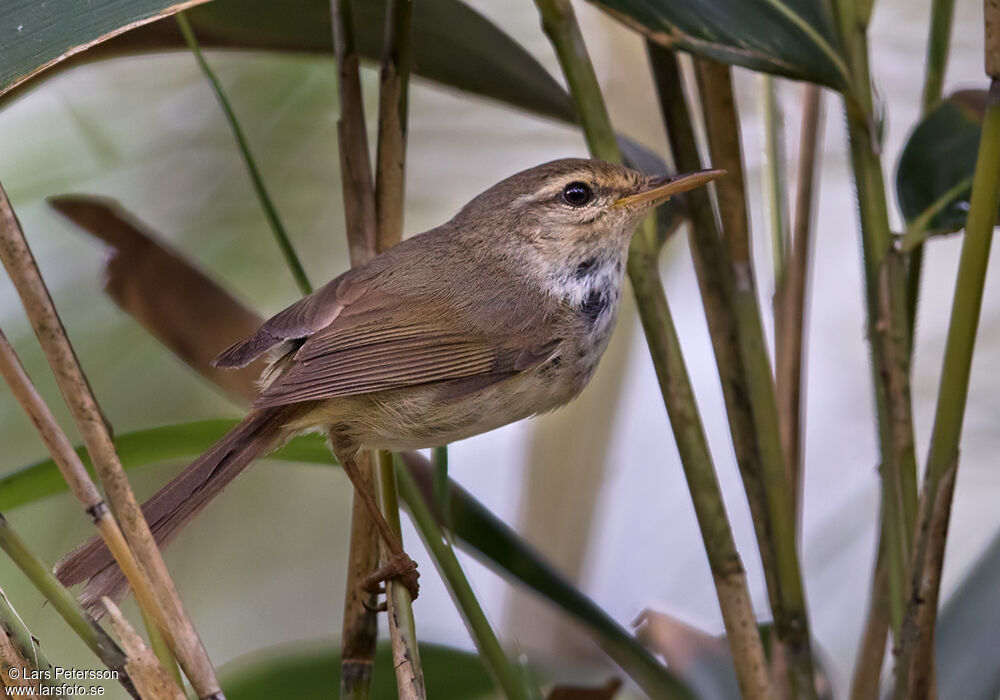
(499, 314)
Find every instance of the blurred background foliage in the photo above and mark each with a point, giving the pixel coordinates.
(597, 489)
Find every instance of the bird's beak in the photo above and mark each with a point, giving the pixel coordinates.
(658, 190)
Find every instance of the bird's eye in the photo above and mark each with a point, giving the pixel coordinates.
(577, 194)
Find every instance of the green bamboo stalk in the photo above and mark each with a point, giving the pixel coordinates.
(442, 488)
(893, 409)
(949, 415)
(935, 66)
(788, 599)
(559, 23)
(506, 675)
(774, 185)
(699, 470)
(158, 645)
(64, 603)
(389, 181)
(399, 603)
(711, 265)
(24, 645)
(270, 212)
(938, 46)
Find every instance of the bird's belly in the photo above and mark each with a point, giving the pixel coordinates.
(421, 417)
(434, 414)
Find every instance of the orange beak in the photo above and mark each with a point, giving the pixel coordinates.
(659, 190)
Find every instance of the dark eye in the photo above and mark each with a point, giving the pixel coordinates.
(577, 194)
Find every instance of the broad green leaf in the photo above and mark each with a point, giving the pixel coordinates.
(36, 35)
(967, 639)
(934, 176)
(794, 38)
(453, 45)
(314, 674)
(477, 530)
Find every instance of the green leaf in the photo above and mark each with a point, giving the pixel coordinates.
(314, 674)
(453, 45)
(35, 35)
(477, 530)
(794, 38)
(967, 639)
(934, 176)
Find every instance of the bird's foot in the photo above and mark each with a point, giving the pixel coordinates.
(400, 568)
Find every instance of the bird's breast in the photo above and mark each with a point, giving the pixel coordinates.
(590, 293)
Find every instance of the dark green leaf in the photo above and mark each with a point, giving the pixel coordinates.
(967, 640)
(314, 674)
(476, 528)
(144, 447)
(453, 45)
(35, 35)
(934, 177)
(794, 38)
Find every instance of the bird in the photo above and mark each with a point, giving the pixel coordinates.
(499, 314)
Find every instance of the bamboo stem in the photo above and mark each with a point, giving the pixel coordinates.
(790, 295)
(256, 179)
(699, 469)
(788, 600)
(355, 165)
(399, 604)
(442, 487)
(714, 281)
(560, 26)
(506, 676)
(389, 182)
(935, 66)
(151, 680)
(158, 645)
(75, 473)
(19, 649)
(390, 174)
(917, 641)
(559, 23)
(359, 633)
(938, 46)
(889, 348)
(63, 602)
(865, 684)
(90, 421)
(774, 186)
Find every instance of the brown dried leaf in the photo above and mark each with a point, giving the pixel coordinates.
(179, 304)
(11, 658)
(679, 644)
(574, 692)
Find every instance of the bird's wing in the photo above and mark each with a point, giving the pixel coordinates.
(300, 320)
(383, 342)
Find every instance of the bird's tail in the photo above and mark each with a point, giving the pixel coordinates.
(173, 506)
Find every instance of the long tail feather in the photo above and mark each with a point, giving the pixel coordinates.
(173, 506)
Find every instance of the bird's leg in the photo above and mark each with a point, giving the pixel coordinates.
(400, 565)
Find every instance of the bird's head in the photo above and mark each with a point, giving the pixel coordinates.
(572, 202)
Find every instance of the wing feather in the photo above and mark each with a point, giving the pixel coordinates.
(395, 343)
